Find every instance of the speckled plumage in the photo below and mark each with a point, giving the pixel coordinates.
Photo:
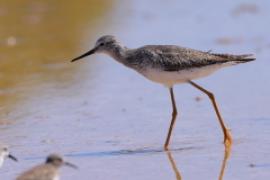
(169, 64)
(175, 58)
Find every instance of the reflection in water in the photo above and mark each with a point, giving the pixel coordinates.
(227, 152)
(174, 167)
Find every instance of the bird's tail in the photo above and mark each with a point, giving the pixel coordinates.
(243, 58)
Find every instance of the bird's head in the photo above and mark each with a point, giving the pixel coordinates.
(105, 44)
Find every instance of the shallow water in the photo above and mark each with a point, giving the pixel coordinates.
(112, 122)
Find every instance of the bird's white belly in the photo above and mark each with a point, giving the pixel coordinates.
(169, 78)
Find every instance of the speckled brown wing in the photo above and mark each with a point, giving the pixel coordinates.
(175, 58)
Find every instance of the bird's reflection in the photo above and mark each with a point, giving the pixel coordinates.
(227, 153)
(226, 156)
(174, 167)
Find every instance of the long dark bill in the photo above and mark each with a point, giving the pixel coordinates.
(70, 165)
(84, 55)
(12, 157)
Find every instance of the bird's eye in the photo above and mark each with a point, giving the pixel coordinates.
(101, 44)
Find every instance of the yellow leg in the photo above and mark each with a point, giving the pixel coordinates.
(227, 135)
(174, 114)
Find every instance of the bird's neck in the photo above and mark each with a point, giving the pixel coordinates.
(118, 53)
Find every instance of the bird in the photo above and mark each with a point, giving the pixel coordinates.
(47, 170)
(4, 153)
(170, 65)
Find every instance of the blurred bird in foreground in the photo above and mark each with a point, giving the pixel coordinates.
(47, 171)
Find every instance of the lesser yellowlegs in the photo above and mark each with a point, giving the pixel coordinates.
(170, 65)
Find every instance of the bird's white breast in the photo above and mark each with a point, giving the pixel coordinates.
(169, 78)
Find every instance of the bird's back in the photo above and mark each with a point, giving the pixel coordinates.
(175, 58)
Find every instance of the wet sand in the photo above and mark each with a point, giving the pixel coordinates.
(112, 122)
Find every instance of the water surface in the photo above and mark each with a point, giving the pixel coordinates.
(112, 122)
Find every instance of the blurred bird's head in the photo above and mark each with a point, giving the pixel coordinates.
(4, 152)
(57, 161)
